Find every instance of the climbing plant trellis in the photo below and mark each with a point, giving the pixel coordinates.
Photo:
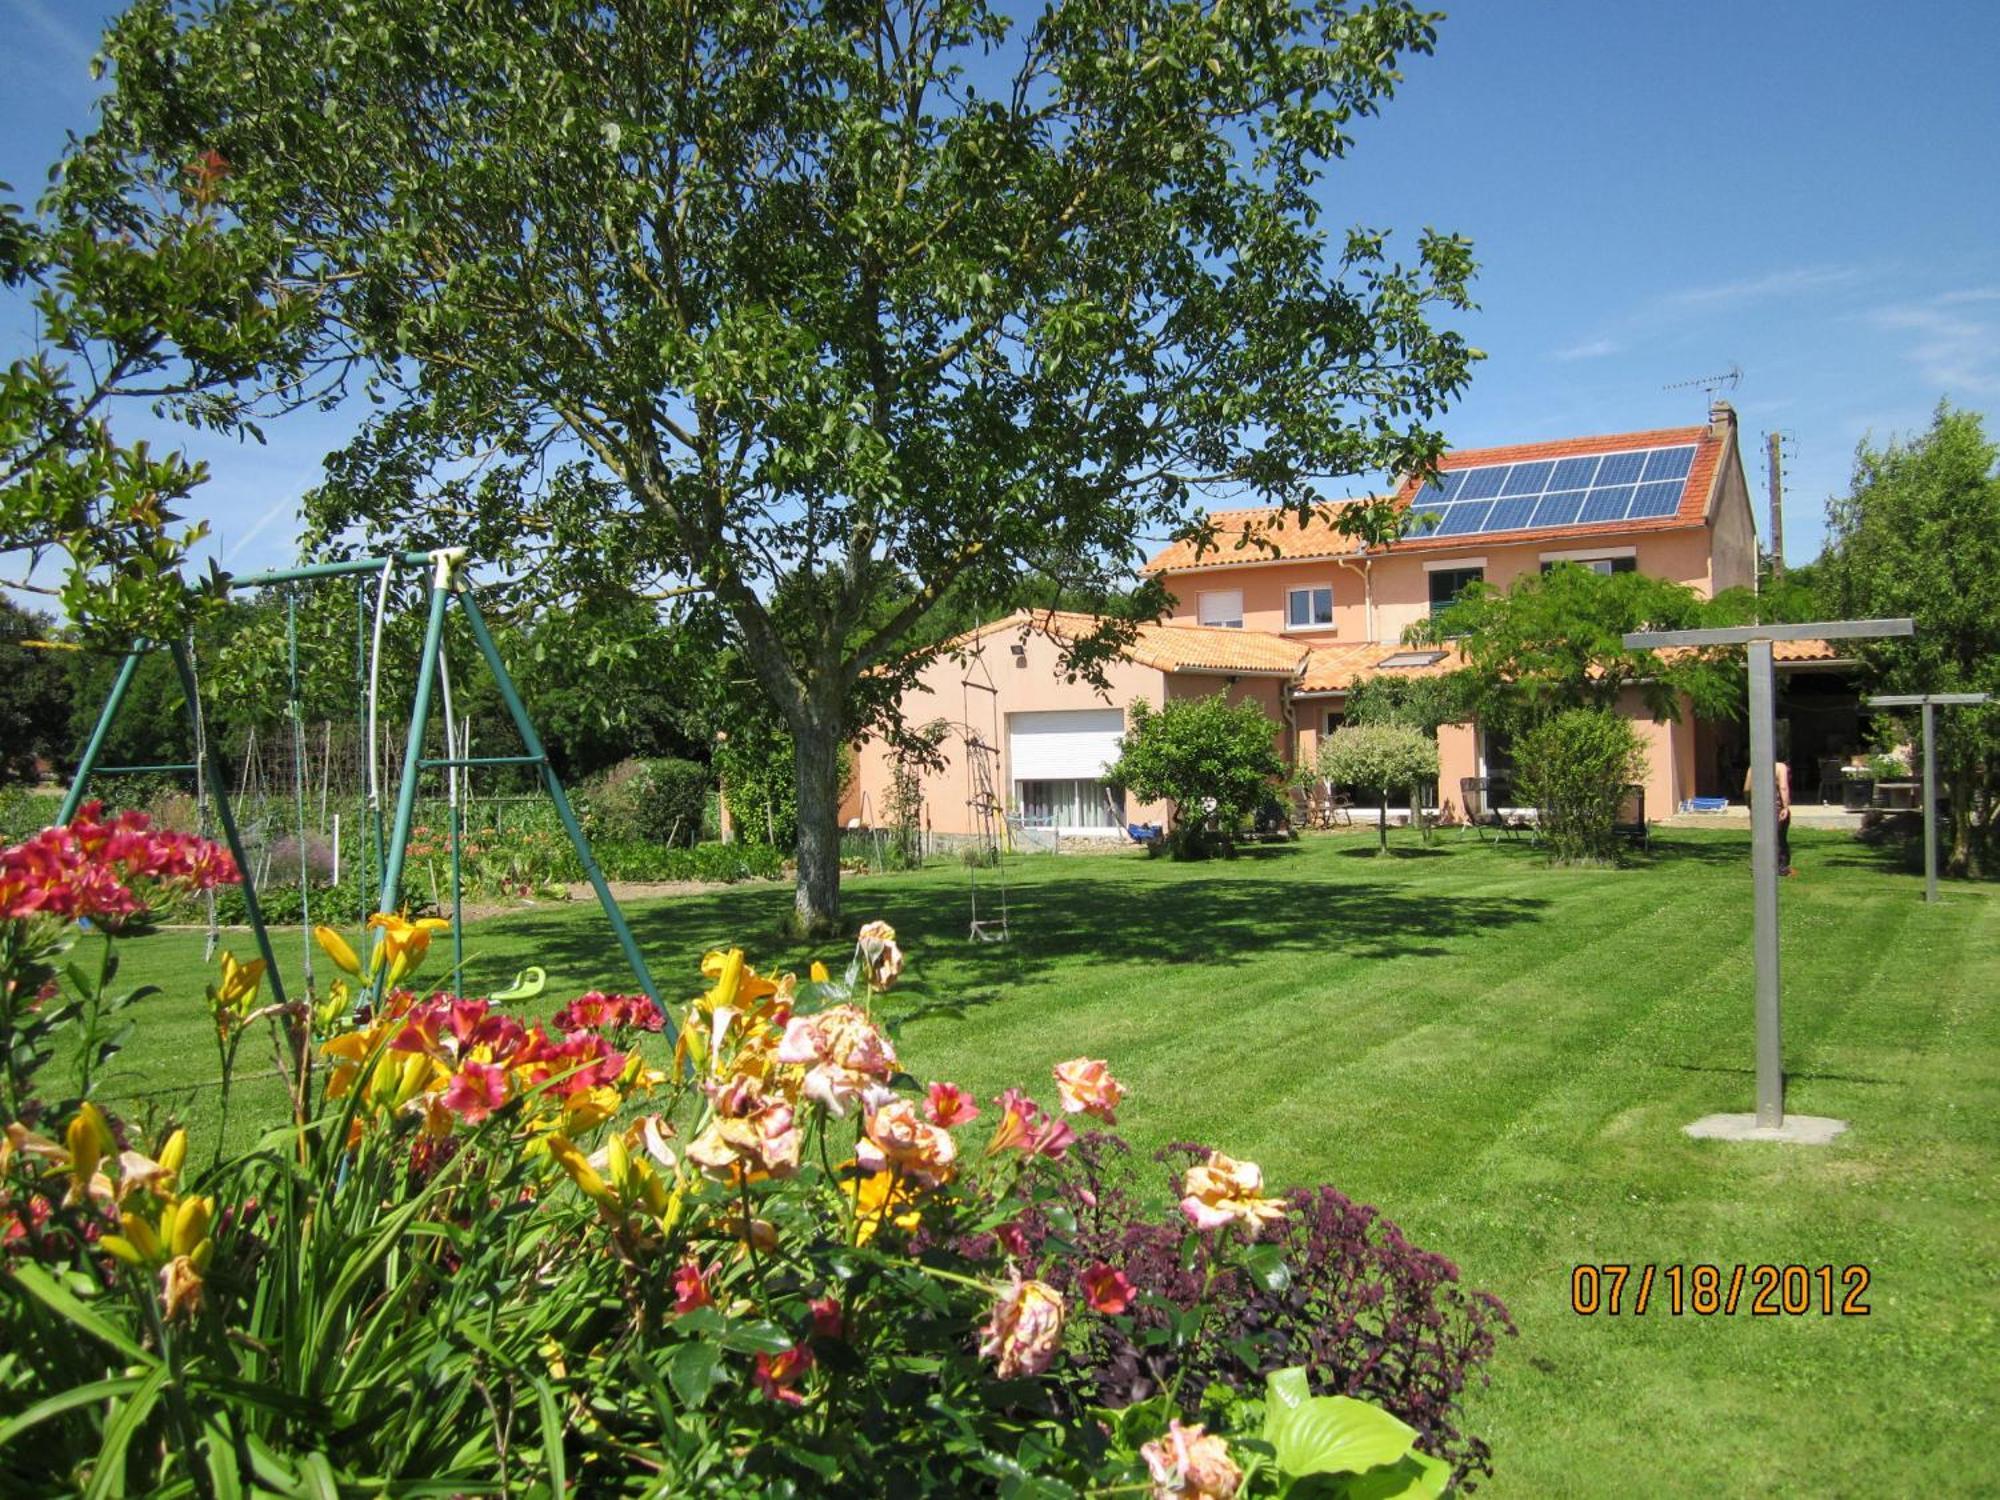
(447, 584)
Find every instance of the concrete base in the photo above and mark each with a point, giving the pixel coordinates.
(1798, 1130)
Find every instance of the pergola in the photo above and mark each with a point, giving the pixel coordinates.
(1769, 1122)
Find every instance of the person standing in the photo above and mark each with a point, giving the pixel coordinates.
(1782, 773)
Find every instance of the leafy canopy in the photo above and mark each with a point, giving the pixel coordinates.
(904, 298)
(1918, 534)
(1575, 765)
(1216, 763)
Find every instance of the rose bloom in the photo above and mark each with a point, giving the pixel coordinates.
(877, 941)
(897, 1137)
(1190, 1464)
(843, 1051)
(1087, 1088)
(1224, 1191)
(1026, 1329)
(1107, 1289)
(947, 1104)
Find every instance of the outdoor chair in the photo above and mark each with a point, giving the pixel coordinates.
(1831, 778)
(1482, 810)
(1629, 821)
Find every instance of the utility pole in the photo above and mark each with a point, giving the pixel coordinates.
(1777, 507)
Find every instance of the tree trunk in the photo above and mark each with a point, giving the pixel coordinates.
(1963, 856)
(1382, 820)
(816, 896)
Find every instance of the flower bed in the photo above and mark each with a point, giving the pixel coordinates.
(496, 1254)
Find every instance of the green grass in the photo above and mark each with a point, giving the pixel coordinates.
(1500, 1056)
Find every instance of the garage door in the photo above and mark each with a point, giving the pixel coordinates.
(1063, 745)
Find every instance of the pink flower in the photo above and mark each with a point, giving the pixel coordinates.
(1013, 1239)
(476, 1090)
(1190, 1464)
(1225, 1191)
(877, 942)
(829, 1318)
(948, 1105)
(691, 1289)
(843, 1052)
(896, 1138)
(1023, 1127)
(1087, 1088)
(1107, 1289)
(1025, 1331)
(777, 1375)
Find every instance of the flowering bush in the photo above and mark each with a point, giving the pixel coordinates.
(499, 1255)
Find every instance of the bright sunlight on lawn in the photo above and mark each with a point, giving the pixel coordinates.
(1498, 1055)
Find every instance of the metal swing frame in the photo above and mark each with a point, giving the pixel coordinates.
(447, 583)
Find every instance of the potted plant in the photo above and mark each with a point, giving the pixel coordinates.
(1857, 788)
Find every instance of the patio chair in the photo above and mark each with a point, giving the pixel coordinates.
(1831, 781)
(1475, 795)
(1629, 821)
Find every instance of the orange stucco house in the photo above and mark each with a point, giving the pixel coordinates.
(1292, 617)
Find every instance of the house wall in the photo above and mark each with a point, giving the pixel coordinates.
(1732, 529)
(1402, 580)
(1034, 685)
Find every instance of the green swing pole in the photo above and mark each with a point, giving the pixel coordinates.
(227, 818)
(120, 685)
(361, 861)
(533, 743)
(298, 714)
(413, 750)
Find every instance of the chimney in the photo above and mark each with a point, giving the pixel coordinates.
(1721, 419)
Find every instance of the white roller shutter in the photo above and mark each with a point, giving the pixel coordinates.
(1063, 744)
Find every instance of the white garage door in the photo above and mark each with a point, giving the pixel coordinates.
(1064, 744)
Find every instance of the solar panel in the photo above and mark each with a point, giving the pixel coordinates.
(1640, 484)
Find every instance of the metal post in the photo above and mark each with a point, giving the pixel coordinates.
(119, 686)
(227, 818)
(533, 743)
(1930, 801)
(413, 748)
(1764, 885)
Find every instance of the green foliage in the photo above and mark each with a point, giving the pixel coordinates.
(808, 303)
(650, 801)
(1575, 765)
(1918, 534)
(1422, 703)
(759, 777)
(1555, 641)
(1382, 757)
(1215, 763)
(34, 695)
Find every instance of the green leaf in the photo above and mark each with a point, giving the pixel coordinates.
(108, 1476)
(1266, 1265)
(44, 1288)
(756, 1337)
(1417, 1476)
(552, 1437)
(1328, 1434)
(69, 1400)
(692, 1370)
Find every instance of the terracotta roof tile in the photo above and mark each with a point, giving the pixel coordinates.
(1267, 534)
(1171, 648)
(1334, 669)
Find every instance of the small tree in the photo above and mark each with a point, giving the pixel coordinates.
(1215, 764)
(1576, 765)
(1381, 756)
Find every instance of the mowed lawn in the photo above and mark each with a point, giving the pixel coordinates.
(1501, 1056)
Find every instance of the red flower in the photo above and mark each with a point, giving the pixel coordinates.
(829, 1318)
(1107, 1289)
(948, 1105)
(691, 1287)
(776, 1374)
(476, 1090)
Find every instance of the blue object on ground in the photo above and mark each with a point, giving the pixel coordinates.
(1145, 833)
(1708, 804)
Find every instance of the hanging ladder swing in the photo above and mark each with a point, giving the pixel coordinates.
(983, 800)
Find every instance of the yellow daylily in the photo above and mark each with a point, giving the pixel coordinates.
(403, 943)
(336, 947)
(176, 1242)
(89, 1140)
(881, 1198)
(231, 997)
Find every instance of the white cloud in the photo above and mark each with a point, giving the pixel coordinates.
(1790, 282)
(53, 29)
(1953, 340)
(1590, 349)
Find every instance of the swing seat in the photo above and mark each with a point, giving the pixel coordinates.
(1145, 833)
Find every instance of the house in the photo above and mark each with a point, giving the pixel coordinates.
(1292, 616)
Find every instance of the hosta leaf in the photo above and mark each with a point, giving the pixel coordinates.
(1328, 1434)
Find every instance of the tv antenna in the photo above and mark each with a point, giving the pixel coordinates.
(1727, 381)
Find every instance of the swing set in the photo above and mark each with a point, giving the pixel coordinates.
(383, 849)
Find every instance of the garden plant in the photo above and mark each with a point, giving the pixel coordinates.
(487, 1254)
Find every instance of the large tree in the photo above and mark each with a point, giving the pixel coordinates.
(865, 293)
(1918, 534)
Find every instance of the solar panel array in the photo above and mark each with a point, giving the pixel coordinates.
(1639, 484)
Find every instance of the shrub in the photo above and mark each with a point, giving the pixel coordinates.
(1576, 765)
(1382, 757)
(712, 862)
(1333, 1286)
(650, 801)
(1215, 763)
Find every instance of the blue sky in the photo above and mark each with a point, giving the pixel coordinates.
(1655, 193)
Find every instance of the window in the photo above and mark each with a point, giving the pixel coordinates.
(1221, 607)
(1070, 804)
(1604, 565)
(1334, 719)
(1448, 583)
(1308, 609)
